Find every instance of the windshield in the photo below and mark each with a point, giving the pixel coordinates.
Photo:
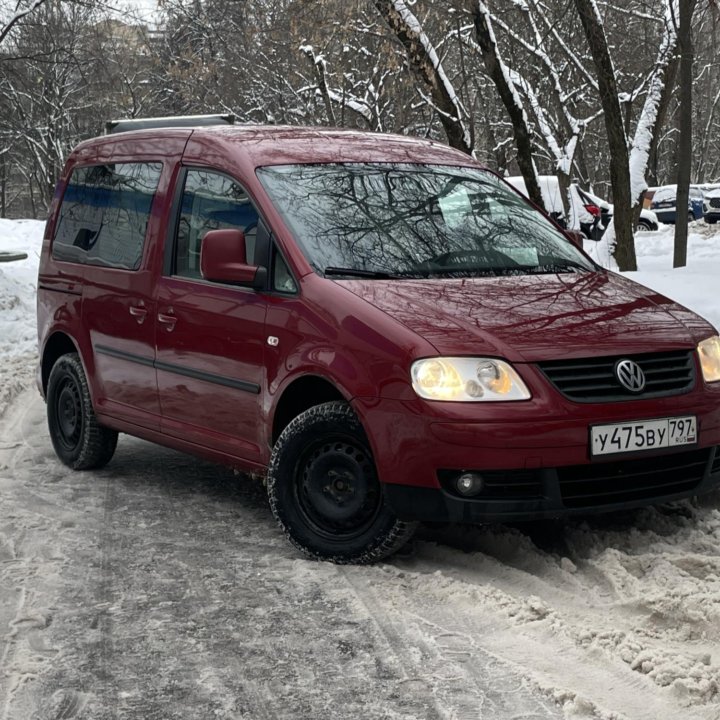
(390, 220)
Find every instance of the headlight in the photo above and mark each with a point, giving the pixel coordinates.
(709, 352)
(460, 379)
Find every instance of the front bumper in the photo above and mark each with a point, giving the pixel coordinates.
(559, 492)
(535, 455)
(712, 216)
(665, 216)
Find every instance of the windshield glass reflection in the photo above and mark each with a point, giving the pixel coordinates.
(393, 220)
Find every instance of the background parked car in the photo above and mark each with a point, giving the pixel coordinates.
(647, 222)
(584, 213)
(591, 213)
(663, 203)
(711, 207)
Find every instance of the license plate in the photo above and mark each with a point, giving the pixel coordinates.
(642, 435)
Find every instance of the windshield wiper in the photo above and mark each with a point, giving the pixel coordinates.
(560, 267)
(357, 272)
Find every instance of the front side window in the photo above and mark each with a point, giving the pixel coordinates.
(104, 214)
(282, 279)
(211, 201)
(398, 220)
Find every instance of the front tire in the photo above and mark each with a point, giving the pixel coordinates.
(78, 438)
(325, 493)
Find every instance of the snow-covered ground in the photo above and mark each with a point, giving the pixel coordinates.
(694, 286)
(18, 336)
(160, 587)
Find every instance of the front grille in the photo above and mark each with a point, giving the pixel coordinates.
(627, 480)
(714, 202)
(594, 379)
(715, 467)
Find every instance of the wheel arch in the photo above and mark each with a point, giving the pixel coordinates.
(58, 344)
(299, 395)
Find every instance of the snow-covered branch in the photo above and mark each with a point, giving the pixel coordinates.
(425, 63)
(17, 17)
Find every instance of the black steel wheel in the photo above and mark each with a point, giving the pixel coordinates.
(324, 489)
(79, 440)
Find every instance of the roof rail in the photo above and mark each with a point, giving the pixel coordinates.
(117, 126)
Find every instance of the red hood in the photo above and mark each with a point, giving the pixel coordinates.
(536, 317)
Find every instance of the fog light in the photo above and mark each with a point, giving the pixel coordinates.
(469, 484)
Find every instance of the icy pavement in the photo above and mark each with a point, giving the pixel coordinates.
(161, 587)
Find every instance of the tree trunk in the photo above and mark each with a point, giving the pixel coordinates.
(684, 161)
(3, 186)
(667, 96)
(496, 70)
(617, 139)
(426, 66)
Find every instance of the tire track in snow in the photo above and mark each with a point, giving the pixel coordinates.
(467, 682)
(571, 650)
(26, 652)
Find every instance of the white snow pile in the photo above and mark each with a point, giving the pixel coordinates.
(18, 280)
(694, 286)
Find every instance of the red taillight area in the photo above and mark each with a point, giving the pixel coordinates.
(594, 210)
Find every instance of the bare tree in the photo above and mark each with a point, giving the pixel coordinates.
(684, 163)
(425, 63)
(500, 75)
(617, 139)
(21, 11)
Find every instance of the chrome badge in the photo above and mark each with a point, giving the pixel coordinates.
(630, 375)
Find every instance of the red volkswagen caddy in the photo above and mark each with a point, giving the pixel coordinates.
(381, 327)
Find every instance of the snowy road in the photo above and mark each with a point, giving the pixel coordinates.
(160, 588)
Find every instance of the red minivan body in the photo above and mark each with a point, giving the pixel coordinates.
(338, 379)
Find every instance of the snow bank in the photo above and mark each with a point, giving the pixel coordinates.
(17, 286)
(695, 286)
(18, 280)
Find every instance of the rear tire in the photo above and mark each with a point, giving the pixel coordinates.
(78, 438)
(325, 493)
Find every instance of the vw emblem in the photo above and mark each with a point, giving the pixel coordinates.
(630, 375)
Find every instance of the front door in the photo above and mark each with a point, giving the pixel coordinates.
(210, 336)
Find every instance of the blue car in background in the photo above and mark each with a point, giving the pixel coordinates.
(663, 204)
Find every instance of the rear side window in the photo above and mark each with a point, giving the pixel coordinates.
(211, 201)
(104, 214)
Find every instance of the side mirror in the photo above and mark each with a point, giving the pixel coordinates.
(223, 259)
(575, 237)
